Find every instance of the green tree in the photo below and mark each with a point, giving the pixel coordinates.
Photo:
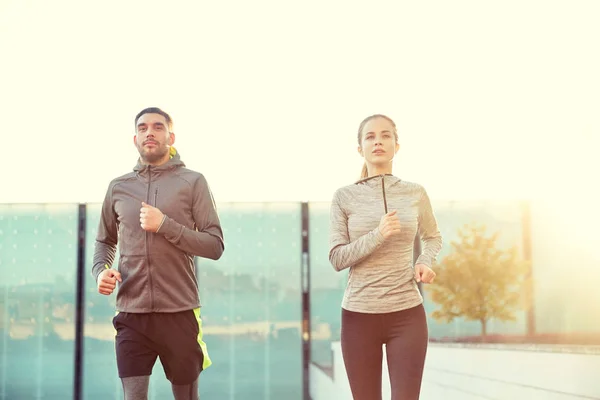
(478, 281)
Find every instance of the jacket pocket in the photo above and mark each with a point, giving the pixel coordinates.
(174, 281)
(135, 291)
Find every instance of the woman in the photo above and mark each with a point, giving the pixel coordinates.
(372, 232)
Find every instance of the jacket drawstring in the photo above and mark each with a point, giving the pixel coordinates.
(383, 191)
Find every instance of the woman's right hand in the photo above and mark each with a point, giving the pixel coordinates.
(389, 225)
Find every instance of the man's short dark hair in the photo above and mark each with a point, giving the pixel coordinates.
(155, 110)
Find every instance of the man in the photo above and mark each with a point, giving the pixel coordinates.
(161, 215)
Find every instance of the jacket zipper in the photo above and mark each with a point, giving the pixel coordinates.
(147, 240)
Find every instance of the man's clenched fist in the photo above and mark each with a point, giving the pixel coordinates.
(150, 217)
(107, 281)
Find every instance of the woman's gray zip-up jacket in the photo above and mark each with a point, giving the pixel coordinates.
(157, 269)
(381, 276)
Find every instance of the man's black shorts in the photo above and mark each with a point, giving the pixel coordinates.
(174, 337)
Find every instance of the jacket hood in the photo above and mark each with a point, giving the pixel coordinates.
(384, 181)
(174, 162)
(375, 180)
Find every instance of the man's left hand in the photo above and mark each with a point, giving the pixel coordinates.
(150, 217)
(424, 274)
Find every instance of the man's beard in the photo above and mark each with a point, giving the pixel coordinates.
(153, 156)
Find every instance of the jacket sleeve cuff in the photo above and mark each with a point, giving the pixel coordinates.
(161, 223)
(171, 229)
(379, 239)
(423, 259)
(98, 268)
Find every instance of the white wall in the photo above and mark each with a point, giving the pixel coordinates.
(478, 372)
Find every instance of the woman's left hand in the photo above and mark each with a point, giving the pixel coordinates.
(424, 274)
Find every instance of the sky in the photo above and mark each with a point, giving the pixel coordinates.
(493, 100)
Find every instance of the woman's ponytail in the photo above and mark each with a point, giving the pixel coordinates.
(365, 172)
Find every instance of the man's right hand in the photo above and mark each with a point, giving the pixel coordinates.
(107, 281)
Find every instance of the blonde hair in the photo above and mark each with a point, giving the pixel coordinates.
(365, 172)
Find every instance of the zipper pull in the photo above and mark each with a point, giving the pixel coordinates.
(155, 197)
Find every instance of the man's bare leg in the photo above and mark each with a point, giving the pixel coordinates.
(136, 387)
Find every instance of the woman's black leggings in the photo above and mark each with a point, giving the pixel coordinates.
(405, 336)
